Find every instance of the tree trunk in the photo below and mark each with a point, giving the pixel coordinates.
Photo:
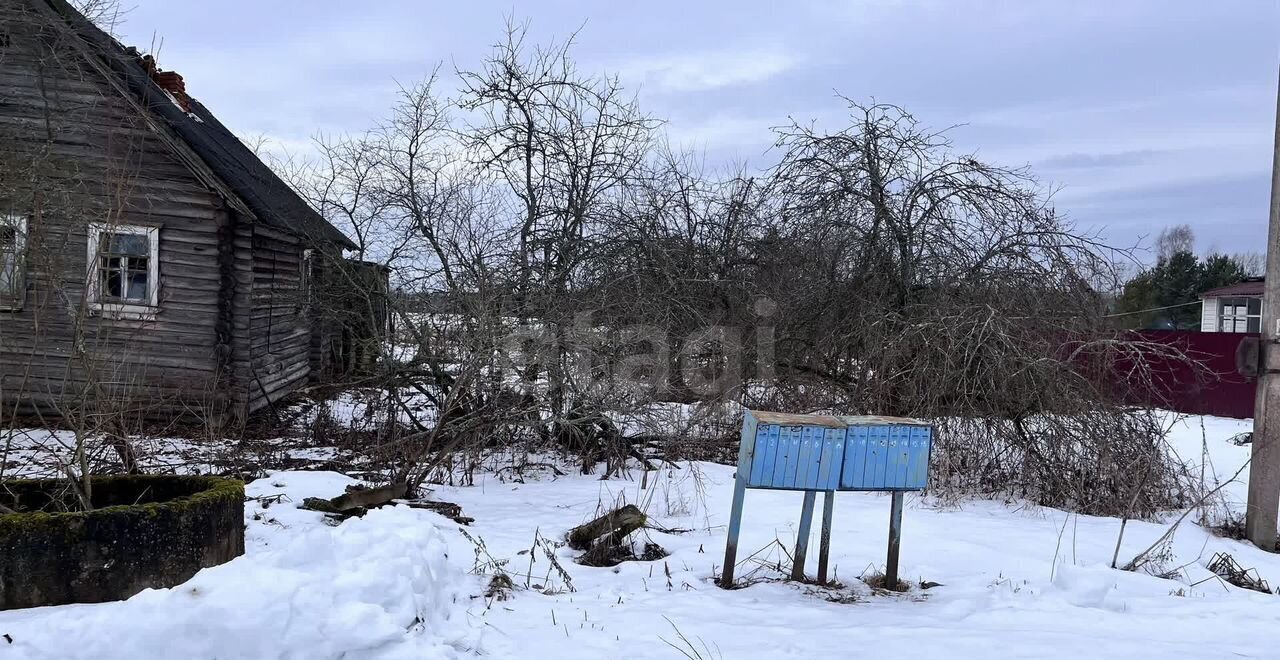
(608, 529)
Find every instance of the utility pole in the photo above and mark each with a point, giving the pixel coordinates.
(1264, 466)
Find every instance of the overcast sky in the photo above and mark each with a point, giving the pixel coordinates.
(1142, 113)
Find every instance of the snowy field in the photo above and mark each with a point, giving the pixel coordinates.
(1015, 581)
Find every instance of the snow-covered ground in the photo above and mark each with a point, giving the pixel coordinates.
(1017, 581)
(39, 453)
(382, 586)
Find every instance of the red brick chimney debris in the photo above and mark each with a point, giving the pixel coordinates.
(169, 81)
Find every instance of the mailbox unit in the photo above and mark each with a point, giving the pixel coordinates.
(823, 453)
(818, 452)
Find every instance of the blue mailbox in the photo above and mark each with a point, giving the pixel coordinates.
(824, 453)
(885, 453)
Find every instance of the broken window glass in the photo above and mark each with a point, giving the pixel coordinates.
(11, 282)
(124, 262)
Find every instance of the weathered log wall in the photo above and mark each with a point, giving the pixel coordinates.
(73, 151)
(232, 330)
(279, 327)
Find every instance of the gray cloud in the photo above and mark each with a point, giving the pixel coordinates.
(1124, 106)
(1100, 160)
(708, 70)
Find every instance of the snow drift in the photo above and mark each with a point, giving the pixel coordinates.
(377, 587)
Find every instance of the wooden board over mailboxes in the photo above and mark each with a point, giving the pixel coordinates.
(834, 422)
(881, 420)
(795, 419)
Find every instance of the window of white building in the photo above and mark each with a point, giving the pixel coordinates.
(1239, 314)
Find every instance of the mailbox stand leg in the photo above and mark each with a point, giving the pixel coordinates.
(895, 539)
(802, 540)
(824, 550)
(735, 526)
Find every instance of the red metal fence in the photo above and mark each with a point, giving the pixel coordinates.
(1224, 392)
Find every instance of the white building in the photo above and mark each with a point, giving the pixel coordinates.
(1233, 308)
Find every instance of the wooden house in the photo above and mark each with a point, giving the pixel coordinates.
(150, 263)
(1233, 308)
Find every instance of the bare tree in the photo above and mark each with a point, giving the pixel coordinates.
(1175, 239)
(559, 269)
(1254, 264)
(559, 145)
(106, 14)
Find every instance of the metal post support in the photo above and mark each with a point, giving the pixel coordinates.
(895, 539)
(735, 526)
(824, 547)
(802, 540)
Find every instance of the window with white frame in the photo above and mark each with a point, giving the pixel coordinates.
(1240, 314)
(13, 238)
(124, 267)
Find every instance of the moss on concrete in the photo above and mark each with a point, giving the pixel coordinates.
(145, 531)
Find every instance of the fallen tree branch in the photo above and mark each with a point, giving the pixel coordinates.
(447, 509)
(1141, 557)
(615, 525)
(356, 501)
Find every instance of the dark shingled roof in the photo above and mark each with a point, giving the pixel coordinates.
(267, 196)
(1250, 286)
(270, 198)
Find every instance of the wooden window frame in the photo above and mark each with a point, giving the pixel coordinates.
(14, 302)
(123, 310)
(1233, 318)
